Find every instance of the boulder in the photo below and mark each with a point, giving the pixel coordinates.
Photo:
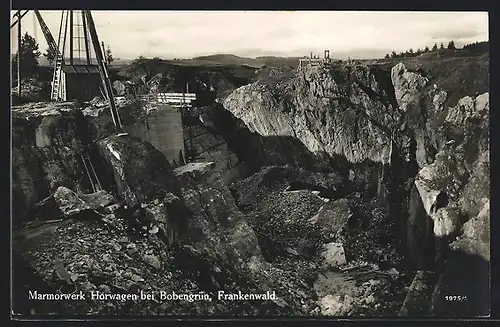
(168, 217)
(467, 108)
(99, 199)
(217, 229)
(335, 305)
(333, 217)
(333, 255)
(475, 239)
(69, 202)
(408, 86)
(446, 221)
(195, 169)
(119, 87)
(153, 261)
(140, 172)
(66, 203)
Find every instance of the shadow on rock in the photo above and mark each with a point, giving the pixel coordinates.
(463, 288)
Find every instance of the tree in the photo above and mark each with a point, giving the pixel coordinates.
(394, 54)
(109, 56)
(434, 47)
(426, 49)
(29, 54)
(51, 55)
(139, 67)
(387, 56)
(410, 52)
(441, 47)
(451, 45)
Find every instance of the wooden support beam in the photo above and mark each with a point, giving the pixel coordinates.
(104, 73)
(18, 17)
(87, 48)
(71, 28)
(19, 35)
(104, 53)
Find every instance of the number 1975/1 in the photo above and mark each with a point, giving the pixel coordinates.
(455, 298)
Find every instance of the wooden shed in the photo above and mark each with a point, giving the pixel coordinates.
(80, 82)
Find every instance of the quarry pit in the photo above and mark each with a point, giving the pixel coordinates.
(348, 190)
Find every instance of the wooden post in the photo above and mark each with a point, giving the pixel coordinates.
(103, 71)
(34, 27)
(104, 53)
(71, 27)
(19, 53)
(87, 50)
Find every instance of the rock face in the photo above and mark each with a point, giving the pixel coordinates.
(333, 217)
(346, 119)
(140, 171)
(408, 86)
(332, 111)
(360, 159)
(428, 149)
(455, 191)
(208, 138)
(212, 205)
(158, 124)
(475, 239)
(45, 153)
(462, 160)
(48, 140)
(162, 127)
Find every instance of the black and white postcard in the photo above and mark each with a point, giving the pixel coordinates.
(250, 164)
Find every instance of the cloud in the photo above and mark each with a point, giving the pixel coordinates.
(252, 33)
(457, 34)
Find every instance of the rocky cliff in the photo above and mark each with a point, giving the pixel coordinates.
(347, 190)
(424, 148)
(327, 113)
(187, 237)
(151, 228)
(44, 154)
(49, 140)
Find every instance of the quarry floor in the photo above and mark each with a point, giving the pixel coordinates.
(96, 256)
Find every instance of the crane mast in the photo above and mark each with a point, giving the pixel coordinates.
(50, 42)
(18, 17)
(58, 60)
(46, 32)
(108, 89)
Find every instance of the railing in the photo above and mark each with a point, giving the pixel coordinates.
(313, 61)
(173, 99)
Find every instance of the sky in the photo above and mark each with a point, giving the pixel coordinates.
(187, 34)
